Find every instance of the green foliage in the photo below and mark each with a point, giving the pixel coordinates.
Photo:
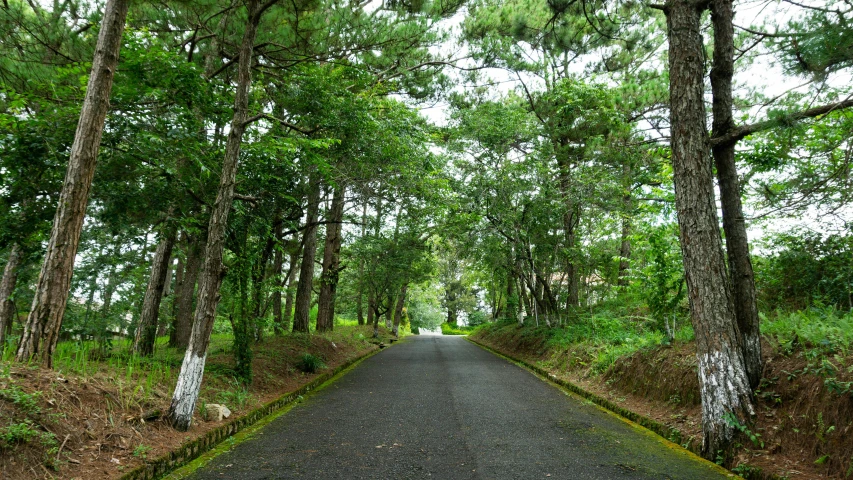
(477, 317)
(27, 402)
(309, 363)
(744, 430)
(141, 451)
(17, 434)
(822, 328)
(806, 268)
(448, 329)
(237, 396)
(823, 42)
(425, 307)
(663, 278)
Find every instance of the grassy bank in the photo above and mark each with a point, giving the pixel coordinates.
(448, 329)
(99, 415)
(805, 401)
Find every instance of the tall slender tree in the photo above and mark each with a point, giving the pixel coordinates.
(724, 386)
(302, 306)
(192, 369)
(41, 332)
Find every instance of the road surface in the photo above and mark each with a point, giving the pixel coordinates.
(443, 408)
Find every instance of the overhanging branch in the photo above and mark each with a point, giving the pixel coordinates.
(743, 131)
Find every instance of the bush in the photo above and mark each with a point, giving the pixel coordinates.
(310, 363)
(806, 269)
(822, 328)
(448, 329)
(477, 317)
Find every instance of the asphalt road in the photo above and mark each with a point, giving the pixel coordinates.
(443, 408)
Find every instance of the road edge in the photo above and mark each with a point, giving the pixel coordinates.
(194, 449)
(671, 436)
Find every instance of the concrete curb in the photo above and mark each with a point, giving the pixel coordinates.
(193, 449)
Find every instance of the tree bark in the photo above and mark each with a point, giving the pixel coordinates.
(259, 271)
(627, 217)
(185, 292)
(370, 302)
(7, 288)
(41, 332)
(571, 218)
(109, 288)
(277, 264)
(724, 387)
(331, 263)
(165, 327)
(146, 331)
(192, 369)
(301, 320)
(288, 300)
(373, 313)
(398, 311)
(389, 314)
(737, 244)
(359, 300)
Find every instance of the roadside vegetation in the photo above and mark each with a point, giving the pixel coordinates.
(188, 188)
(99, 415)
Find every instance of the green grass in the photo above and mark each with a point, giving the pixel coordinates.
(598, 339)
(309, 363)
(345, 321)
(611, 333)
(823, 329)
(448, 329)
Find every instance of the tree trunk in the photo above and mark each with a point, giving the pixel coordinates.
(179, 279)
(370, 302)
(41, 332)
(389, 320)
(571, 218)
(185, 292)
(627, 217)
(242, 327)
(724, 387)
(109, 288)
(452, 318)
(164, 327)
(398, 311)
(7, 288)
(291, 279)
(146, 331)
(301, 320)
(737, 244)
(331, 263)
(373, 313)
(192, 369)
(259, 270)
(359, 307)
(170, 272)
(277, 264)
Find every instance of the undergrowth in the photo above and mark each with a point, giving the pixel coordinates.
(611, 333)
(448, 329)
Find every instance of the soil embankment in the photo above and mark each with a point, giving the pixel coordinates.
(805, 417)
(106, 418)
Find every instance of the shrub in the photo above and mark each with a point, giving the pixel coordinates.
(310, 363)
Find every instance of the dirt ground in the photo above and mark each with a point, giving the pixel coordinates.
(93, 427)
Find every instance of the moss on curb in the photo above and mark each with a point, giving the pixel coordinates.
(193, 449)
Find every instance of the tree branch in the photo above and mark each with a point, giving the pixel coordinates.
(743, 131)
(284, 123)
